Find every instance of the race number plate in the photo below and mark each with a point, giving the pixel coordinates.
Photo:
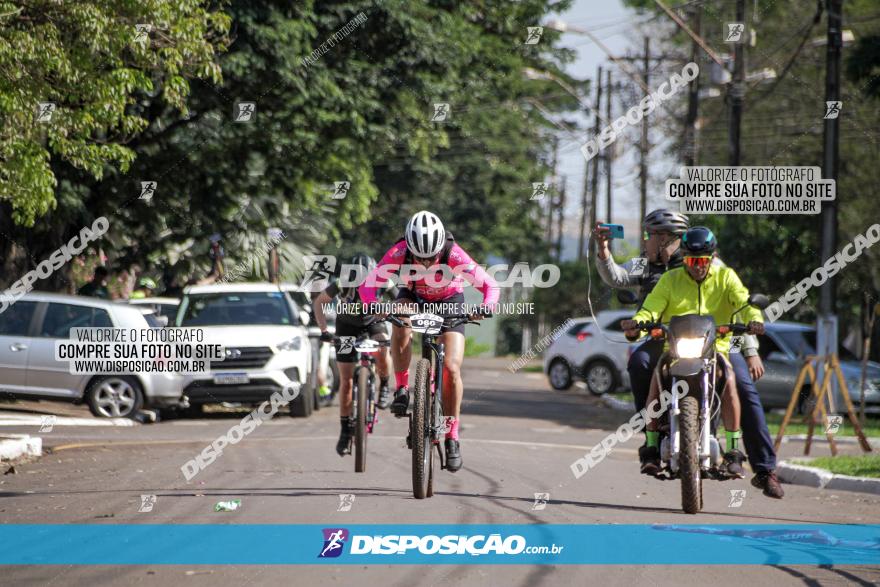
(367, 346)
(426, 323)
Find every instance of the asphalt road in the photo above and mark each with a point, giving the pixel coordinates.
(518, 439)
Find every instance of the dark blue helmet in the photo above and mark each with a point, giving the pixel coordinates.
(698, 241)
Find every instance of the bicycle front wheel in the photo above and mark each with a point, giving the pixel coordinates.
(360, 433)
(420, 432)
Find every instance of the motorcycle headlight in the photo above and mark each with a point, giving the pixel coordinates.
(294, 344)
(689, 348)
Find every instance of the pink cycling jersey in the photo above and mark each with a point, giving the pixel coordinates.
(462, 268)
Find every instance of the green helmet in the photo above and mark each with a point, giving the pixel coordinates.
(147, 282)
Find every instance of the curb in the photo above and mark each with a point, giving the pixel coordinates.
(616, 404)
(873, 441)
(822, 479)
(16, 446)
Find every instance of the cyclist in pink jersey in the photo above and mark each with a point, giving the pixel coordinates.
(427, 246)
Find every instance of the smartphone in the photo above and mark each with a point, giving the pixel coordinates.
(616, 229)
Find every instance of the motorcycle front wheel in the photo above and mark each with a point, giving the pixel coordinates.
(689, 459)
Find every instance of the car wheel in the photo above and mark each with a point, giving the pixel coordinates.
(316, 398)
(806, 401)
(559, 375)
(599, 376)
(302, 404)
(115, 397)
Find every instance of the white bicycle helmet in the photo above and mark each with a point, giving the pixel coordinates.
(425, 235)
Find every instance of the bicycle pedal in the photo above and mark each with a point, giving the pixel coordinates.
(409, 441)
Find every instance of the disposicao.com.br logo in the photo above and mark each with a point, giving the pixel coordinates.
(450, 544)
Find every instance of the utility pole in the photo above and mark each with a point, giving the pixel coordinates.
(559, 220)
(834, 8)
(643, 145)
(585, 202)
(609, 152)
(551, 190)
(737, 88)
(690, 129)
(826, 321)
(594, 184)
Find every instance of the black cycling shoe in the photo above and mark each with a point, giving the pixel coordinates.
(649, 456)
(401, 402)
(343, 445)
(453, 455)
(384, 397)
(732, 464)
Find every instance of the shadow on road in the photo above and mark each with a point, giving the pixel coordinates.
(567, 409)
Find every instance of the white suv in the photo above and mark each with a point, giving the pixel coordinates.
(265, 336)
(581, 352)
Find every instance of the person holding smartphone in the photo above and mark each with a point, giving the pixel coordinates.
(661, 246)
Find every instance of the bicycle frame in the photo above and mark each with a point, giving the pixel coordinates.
(435, 351)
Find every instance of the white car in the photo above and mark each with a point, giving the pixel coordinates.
(28, 369)
(163, 308)
(582, 352)
(266, 342)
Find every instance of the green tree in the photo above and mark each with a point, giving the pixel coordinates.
(86, 62)
(359, 113)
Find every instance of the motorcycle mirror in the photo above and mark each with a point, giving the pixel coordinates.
(627, 297)
(760, 301)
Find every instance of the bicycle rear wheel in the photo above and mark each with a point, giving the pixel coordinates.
(360, 434)
(420, 431)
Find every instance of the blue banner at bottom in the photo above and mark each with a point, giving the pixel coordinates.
(519, 544)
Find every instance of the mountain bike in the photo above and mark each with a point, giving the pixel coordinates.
(426, 422)
(364, 391)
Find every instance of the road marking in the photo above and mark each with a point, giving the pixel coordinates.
(35, 420)
(328, 438)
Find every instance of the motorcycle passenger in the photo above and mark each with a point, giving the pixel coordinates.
(699, 287)
(662, 231)
(355, 325)
(428, 244)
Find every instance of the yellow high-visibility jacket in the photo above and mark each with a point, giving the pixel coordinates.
(719, 295)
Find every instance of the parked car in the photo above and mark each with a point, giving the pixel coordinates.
(28, 369)
(266, 342)
(581, 352)
(783, 349)
(323, 355)
(165, 309)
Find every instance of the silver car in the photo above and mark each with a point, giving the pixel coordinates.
(28, 369)
(783, 349)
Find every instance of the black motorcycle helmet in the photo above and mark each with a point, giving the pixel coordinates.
(698, 241)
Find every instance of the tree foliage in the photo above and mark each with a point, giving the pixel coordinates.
(88, 61)
(359, 112)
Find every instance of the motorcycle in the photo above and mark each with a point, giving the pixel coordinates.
(689, 449)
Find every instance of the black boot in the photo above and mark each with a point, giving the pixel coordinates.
(650, 460)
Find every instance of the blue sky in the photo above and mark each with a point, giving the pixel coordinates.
(618, 28)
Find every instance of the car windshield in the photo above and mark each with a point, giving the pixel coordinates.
(240, 308)
(803, 342)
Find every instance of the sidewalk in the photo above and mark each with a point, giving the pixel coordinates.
(17, 446)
